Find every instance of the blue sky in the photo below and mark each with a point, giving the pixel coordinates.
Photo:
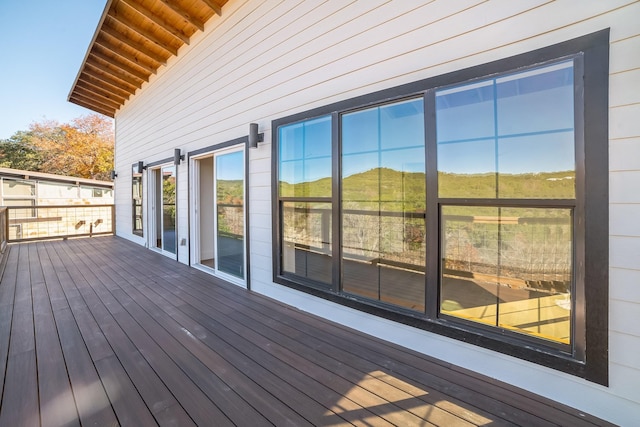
(43, 44)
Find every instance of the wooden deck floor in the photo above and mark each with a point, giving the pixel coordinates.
(103, 332)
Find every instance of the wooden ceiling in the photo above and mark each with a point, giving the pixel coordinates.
(134, 38)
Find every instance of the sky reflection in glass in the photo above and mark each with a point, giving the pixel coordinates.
(522, 123)
(391, 136)
(305, 156)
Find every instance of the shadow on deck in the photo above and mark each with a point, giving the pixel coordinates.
(102, 332)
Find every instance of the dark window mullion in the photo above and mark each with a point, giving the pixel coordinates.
(578, 324)
(432, 273)
(336, 198)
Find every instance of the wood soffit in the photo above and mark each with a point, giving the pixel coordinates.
(133, 39)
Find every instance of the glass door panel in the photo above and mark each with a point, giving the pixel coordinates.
(229, 189)
(169, 209)
(204, 204)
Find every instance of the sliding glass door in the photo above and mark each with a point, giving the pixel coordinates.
(218, 201)
(229, 190)
(164, 209)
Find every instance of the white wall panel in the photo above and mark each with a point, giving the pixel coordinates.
(623, 121)
(625, 284)
(623, 186)
(624, 349)
(624, 52)
(260, 187)
(623, 220)
(264, 60)
(619, 85)
(261, 233)
(625, 252)
(624, 154)
(620, 313)
(624, 383)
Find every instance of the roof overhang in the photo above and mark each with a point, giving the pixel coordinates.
(133, 39)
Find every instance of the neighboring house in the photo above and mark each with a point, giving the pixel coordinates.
(457, 177)
(41, 203)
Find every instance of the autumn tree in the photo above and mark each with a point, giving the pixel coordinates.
(82, 148)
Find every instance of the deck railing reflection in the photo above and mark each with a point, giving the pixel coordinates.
(27, 223)
(533, 251)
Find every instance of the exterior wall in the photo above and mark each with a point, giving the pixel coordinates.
(266, 60)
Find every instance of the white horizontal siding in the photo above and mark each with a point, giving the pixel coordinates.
(620, 313)
(624, 285)
(264, 60)
(624, 383)
(619, 86)
(624, 50)
(622, 123)
(624, 252)
(623, 186)
(623, 220)
(624, 349)
(624, 154)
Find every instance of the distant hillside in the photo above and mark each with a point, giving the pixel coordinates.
(389, 185)
(545, 185)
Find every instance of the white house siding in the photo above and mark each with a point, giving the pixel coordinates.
(265, 60)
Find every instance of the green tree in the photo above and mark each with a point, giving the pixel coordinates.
(18, 152)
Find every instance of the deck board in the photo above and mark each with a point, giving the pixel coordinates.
(20, 394)
(102, 332)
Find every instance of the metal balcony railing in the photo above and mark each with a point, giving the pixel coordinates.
(27, 223)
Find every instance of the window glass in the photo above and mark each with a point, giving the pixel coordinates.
(229, 170)
(383, 204)
(86, 192)
(509, 267)
(12, 187)
(48, 190)
(136, 208)
(508, 137)
(538, 100)
(169, 237)
(95, 192)
(306, 240)
(305, 159)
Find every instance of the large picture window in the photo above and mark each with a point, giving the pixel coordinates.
(506, 261)
(470, 204)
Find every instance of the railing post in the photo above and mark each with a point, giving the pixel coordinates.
(113, 219)
(5, 227)
(325, 220)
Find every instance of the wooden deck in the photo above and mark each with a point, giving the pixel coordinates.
(103, 332)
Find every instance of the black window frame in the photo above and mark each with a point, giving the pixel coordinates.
(591, 251)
